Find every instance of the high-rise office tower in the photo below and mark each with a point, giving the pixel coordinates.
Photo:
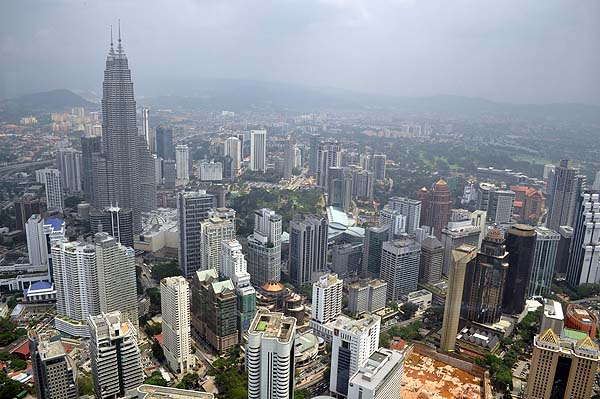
(30, 203)
(346, 259)
(76, 283)
(544, 260)
(115, 221)
(114, 355)
(365, 161)
(584, 261)
(288, 159)
(498, 203)
(562, 366)
(169, 173)
(258, 150)
(54, 371)
(115, 265)
(50, 178)
(212, 232)
(374, 239)
(233, 148)
(457, 234)
(233, 264)
(298, 158)
(564, 250)
(211, 171)
(327, 298)
(378, 166)
(177, 336)
(68, 162)
(165, 148)
(432, 259)
(148, 133)
(461, 256)
(409, 208)
(564, 186)
(362, 184)
(596, 184)
(485, 281)
(353, 342)
(400, 267)
(89, 147)
(182, 164)
(380, 377)
(520, 244)
(125, 175)
(214, 310)
(394, 220)
(339, 188)
(313, 159)
(192, 208)
(366, 296)
(37, 247)
(440, 204)
(264, 248)
(308, 248)
(329, 154)
(270, 356)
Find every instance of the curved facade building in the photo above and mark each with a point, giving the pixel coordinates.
(579, 318)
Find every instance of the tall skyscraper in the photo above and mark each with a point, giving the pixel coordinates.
(308, 248)
(394, 220)
(233, 262)
(460, 258)
(165, 148)
(485, 279)
(233, 148)
(89, 147)
(362, 184)
(584, 261)
(409, 208)
(562, 366)
(258, 150)
(339, 188)
(212, 232)
(126, 174)
(192, 208)
(288, 159)
(380, 377)
(563, 253)
(177, 336)
(114, 355)
(378, 166)
(564, 186)
(353, 342)
(30, 203)
(440, 204)
(214, 310)
(329, 155)
(148, 133)
(374, 239)
(498, 203)
(37, 247)
(115, 221)
(327, 298)
(544, 259)
(68, 162)
(520, 244)
(264, 248)
(400, 267)
(182, 164)
(270, 356)
(457, 234)
(313, 159)
(54, 371)
(432, 259)
(596, 184)
(50, 178)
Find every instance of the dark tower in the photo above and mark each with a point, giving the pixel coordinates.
(520, 244)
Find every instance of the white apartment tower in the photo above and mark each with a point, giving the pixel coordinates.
(36, 241)
(258, 150)
(114, 355)
(584, 260)
(264, 248)
(182, 164)
(50, 178)
(213, 231)
(354, 341)
(233, 264)
(270, 356)
(177, 335)
(233, 148)
(409, 208)
(327, 298)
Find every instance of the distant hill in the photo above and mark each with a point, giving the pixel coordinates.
(41, 103)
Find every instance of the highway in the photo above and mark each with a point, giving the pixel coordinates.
(10, 169)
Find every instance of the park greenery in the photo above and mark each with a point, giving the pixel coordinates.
(408, 333)
(230, 376)
(9, 331)
(580, 292)
(10, 388)
(165, 269)
(156, 379)
(85, 384)
(189, 381)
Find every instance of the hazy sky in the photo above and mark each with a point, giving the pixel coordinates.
(507, 50)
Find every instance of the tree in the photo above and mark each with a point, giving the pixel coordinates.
(71, 202)
(156, 379)
(10, 388)
(157, 352)
(409, 309)
(153, 329)
(165, 269)
(154, 295)
(85, 384)
(189, 381)
(393, 305)
(18, 364)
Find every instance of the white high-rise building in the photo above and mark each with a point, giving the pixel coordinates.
(297, 157)
(380, 377)
(68, 161)
(329, 155)
(584, 259)
(327, 298)
(211, 171)
(114, 355)
(258, 150)
(270, 356)
(264, 248)
(177, 333)
(182, 164)
(400, 261)
(233, 264)
(544, 257)
(149, 134)
(353, 342)
(233, 148)
(410, 208)
(213, 232)
(76, 283)
(37, 247)
(54, 194)
(596, 184)
(395, 221)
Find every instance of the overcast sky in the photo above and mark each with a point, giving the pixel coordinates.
(508, 50)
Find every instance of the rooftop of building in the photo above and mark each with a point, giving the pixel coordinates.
(377, 367)
(56, 223)
(327, 280)
(569, 341)
(146, 391)
(355, 326)
(51, 349)
(553, 309)
(273, 325)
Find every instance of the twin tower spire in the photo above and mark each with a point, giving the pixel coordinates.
(119, 47)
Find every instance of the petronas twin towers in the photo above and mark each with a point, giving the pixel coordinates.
(123, 172)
